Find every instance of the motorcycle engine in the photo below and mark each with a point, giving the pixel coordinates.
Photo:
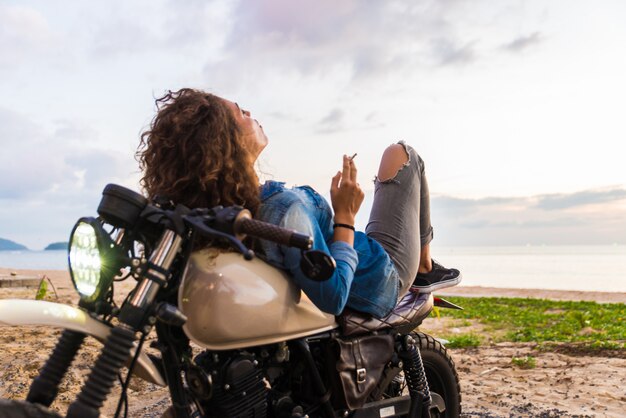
(237, 387)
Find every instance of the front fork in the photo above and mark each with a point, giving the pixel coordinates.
(45, 387)
(173, 345)
(134, 317)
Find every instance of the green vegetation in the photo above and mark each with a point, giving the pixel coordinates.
(593, 325)
(528, 362)
(463, 341)
(43, 290)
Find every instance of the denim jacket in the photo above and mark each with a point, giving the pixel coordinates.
(365, 278)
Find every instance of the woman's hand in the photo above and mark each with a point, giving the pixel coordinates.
(346, 195)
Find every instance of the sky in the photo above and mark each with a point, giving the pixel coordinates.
(516, 106)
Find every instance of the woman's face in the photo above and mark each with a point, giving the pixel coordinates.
(251, 131)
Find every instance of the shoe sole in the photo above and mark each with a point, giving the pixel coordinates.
(440, 285)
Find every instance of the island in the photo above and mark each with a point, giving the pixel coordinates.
(8, 245)
(56, 246)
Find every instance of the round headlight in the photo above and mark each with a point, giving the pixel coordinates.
(92, 261)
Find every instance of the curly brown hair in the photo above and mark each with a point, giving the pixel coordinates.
(193, 153)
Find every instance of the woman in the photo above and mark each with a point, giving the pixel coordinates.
(200, 151)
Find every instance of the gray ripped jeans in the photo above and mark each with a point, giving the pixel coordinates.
(400, 217)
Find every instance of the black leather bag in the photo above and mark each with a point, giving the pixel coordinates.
(360, 364)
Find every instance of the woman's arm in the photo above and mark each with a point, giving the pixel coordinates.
(346, 196)
(331, 295)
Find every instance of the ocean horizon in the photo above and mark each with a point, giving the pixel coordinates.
(599, 268)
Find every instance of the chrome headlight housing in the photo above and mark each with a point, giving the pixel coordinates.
(93, 259)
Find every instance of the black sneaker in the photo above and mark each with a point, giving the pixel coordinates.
(438, 278)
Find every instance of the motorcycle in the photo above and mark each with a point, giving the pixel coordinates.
(236, 337)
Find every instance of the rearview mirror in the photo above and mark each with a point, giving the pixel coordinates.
(317, 265)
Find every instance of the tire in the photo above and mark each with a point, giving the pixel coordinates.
(440, 373)
(22, 409)
(169, 413)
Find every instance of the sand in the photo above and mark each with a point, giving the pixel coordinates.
(577, 295)
(565, 382)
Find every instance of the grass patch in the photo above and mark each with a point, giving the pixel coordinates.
(608, 345)
(528, 362)
(597, 325)
(463, 341)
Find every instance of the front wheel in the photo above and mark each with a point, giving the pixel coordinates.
(440, 373)
(22, 409)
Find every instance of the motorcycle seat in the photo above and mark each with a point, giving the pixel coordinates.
(408, 314)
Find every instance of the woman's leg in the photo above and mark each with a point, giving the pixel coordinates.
(426, 263)
(400, 217)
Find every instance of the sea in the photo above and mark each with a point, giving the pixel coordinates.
(586, 268)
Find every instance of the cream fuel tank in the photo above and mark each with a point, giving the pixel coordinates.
(234, 303)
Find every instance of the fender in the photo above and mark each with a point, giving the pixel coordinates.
(17, 312)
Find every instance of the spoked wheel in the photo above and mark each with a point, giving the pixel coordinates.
(441, 374)
(22, 409)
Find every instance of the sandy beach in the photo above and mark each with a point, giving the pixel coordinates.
(565, 381)
(575, 295)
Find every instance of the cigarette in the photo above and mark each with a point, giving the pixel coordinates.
(352, 158)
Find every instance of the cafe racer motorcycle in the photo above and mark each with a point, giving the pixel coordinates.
(235, 336)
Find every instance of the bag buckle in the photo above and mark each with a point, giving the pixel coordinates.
(360, 375)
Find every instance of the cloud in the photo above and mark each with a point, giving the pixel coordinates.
(24, 33)
(20, 173)
(283, 116)
(125, 35)
(332, 122)
(523, 43)
(308, 24)
(455, 206)
(523, 223)
(106, 30)
(449, 53)
(548, 202)
(518, 220)
(23, 25)
(57, 163)
(51, 177)
(310, 38)
(585, 218)
(361, 41)
(583, 198)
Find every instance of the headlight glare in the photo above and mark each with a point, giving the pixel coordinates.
(92, 260)
(85, 259)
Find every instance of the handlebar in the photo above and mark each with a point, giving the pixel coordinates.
(259, 229)
(124, 208)
(233, 223)
(316, 265)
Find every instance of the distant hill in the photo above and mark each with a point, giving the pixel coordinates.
(8, 245)
(56, 246)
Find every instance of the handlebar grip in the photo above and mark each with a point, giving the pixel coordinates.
(274, 233)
